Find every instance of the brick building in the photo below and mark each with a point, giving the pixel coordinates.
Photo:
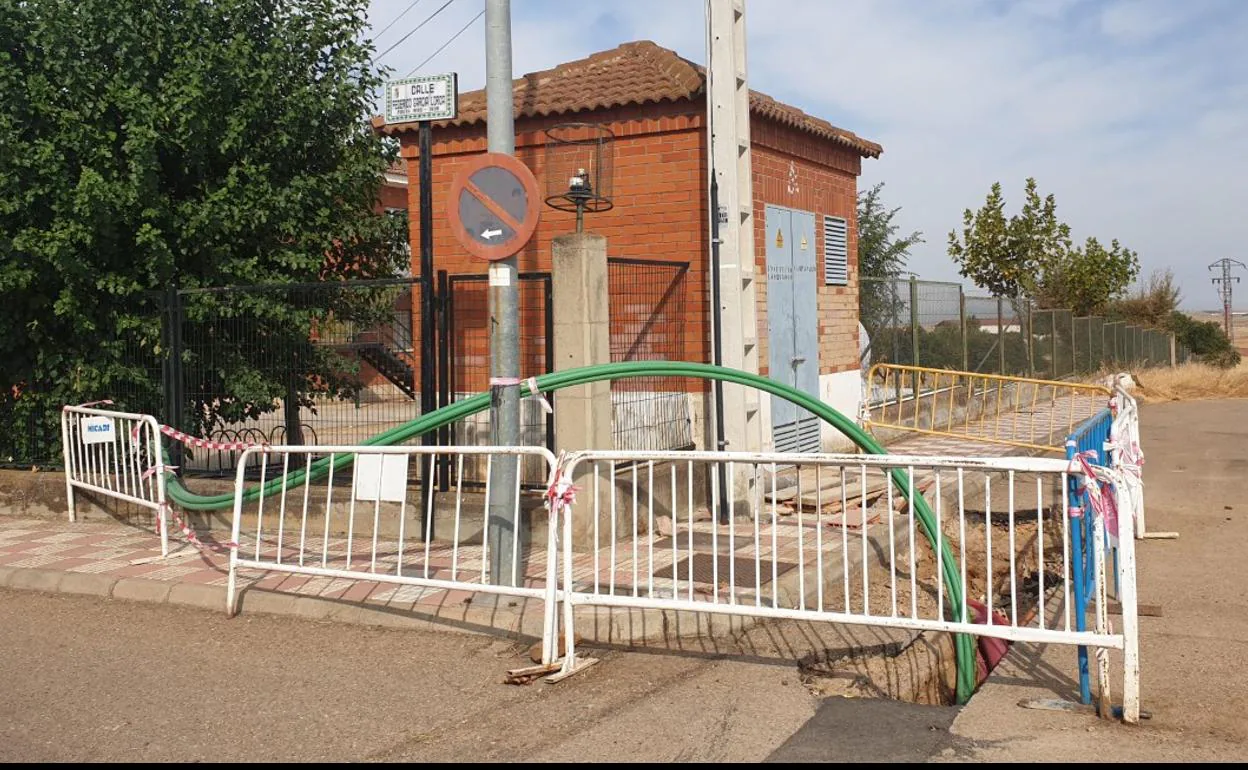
(805, 174)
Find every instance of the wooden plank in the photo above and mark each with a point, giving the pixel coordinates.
(1143, 610)
(876, 486)
(527, 674)
(581, 665)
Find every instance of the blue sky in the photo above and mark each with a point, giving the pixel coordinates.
(1134, 113)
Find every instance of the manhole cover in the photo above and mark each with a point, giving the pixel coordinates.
(742, 569)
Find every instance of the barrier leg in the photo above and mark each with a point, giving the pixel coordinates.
(1130, 622)
(69, 467)
(231, 587)
(1098, 571)
(1077, 548)
(550, 617)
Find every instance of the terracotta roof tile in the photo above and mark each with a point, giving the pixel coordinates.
(634, 73)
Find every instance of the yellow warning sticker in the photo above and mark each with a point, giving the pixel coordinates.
(779, 239)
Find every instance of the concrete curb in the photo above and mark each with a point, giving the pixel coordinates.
(253, 600)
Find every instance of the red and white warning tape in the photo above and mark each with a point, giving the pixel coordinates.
(204, 443)
(147, 474)
(185, 438)
(1104, 505)
(196, 441)
(189, 533)
(560, 494)
(1130, 457)
(536, 392)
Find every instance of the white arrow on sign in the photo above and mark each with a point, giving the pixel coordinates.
(488, 234)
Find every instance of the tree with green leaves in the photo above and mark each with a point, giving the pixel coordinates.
(882, 256)
(1005, 255)
(1086, 278)
(1029, 256)
(189, 144)
(881, 252)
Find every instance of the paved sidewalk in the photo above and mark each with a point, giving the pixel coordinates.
(115, 552)
(123, 561)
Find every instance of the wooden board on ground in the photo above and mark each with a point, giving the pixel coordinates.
(831, 499)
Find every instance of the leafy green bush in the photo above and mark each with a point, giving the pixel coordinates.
(1205, 339)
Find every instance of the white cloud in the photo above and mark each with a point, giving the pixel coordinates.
(1139, 21)
(1132, 113)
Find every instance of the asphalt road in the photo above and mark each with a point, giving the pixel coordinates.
(87, 679)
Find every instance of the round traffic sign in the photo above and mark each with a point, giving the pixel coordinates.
(494, 206)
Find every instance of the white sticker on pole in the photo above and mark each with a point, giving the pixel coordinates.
(98, 430)
(381, 475)
(500, 275)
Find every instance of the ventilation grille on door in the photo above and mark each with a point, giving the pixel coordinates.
(800, 436)
(835, 251)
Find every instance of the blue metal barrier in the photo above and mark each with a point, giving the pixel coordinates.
(1092, 435)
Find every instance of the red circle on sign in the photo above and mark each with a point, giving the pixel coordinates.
(494, 206)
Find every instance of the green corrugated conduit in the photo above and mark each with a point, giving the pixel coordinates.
(964, 643)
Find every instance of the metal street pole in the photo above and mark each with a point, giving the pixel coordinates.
(428, 353)
(503, 525)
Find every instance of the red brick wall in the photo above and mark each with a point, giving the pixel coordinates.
(824, 179)
(660, 213)
(394, 196)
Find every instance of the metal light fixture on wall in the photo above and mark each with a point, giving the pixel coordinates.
(579, 168)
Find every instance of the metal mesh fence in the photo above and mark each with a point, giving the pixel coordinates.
(468, 334)
(884, 312)
(1063, 345)
(935, 324)
(648, 323)
(940, 332)
(326, 363)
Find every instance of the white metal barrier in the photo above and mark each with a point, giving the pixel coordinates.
(830, 537)
(1128, 457)
(116, 454)
(383, 539)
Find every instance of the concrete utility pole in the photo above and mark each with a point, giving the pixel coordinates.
(502, 530)
(728, 130)
(1224, 282)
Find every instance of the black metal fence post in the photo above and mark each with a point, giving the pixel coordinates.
(428, 349)
(173, 383)
(441, 305)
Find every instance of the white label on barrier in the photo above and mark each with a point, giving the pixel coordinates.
(384, 475)
(98, 430)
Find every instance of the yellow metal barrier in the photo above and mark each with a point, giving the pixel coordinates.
(1016, 411)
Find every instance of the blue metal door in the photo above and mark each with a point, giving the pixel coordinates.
(805, 326)
(792, 323)
(778, 223)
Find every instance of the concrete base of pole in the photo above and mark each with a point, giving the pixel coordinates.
(582, 338)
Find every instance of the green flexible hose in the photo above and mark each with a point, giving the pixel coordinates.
(964, 644)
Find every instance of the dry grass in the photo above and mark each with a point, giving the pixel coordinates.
(1191, 381)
